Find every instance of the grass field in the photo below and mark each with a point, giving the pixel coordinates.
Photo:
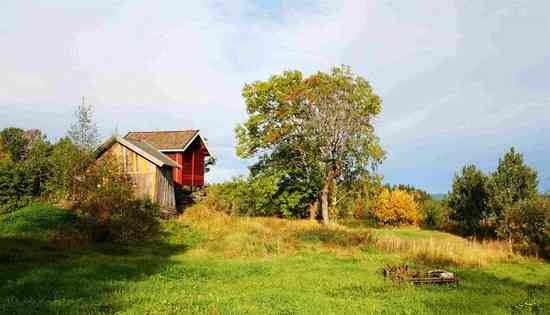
(210, 263)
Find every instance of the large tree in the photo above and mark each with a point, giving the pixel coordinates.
(321, 125)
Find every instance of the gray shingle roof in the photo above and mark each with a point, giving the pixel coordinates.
(142, 148)
(164, 140)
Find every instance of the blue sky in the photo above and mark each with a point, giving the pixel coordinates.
(461, 81)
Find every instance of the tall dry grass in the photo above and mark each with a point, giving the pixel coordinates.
(453, 251)
(233, 236)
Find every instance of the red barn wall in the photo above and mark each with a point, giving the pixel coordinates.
(192, 161)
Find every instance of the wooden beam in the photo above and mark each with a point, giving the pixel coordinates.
(193, 169)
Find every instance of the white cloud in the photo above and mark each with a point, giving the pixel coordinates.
(442, 68)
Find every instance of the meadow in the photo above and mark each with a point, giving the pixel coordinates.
(206, 262)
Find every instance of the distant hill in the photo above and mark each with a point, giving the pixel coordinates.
(438, 196)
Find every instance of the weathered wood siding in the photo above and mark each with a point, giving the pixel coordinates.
(165, 188)
(150, 181)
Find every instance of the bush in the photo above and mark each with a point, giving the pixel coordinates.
(16, 186)
(395, 208)
(262, 195)
(435, 214)
(527, 225)
(105, 200)
(254, 197)
(130, 220)
(68, 162)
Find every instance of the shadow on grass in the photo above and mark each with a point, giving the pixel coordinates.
(39, 278)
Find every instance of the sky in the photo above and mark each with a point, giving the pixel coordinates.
(460, 81)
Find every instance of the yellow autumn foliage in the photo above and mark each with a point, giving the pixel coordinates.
(396, 208)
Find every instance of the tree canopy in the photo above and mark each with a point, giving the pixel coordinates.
(511, 182)
(320, 128)
(468, 199)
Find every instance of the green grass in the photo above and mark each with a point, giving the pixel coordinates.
(34, 220)
(196, 267)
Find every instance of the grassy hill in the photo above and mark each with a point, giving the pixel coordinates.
(210, 263)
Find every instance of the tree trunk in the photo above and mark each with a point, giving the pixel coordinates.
(324, 201)
(313, 208)
(333, 195)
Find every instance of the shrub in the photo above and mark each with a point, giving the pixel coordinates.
(16, 186)
(68, 162)
(262, 195)
(395, 208)
(527, 225)
(435, 214)
(105, 199)
(129, 220)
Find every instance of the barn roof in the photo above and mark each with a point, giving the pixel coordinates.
(164, 140)
(142, 148)
(177, 140)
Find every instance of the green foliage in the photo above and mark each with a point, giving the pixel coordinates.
(262, 195)
(468, 198)
(105, 199)
(68, 163)
(511, 182)
(44, 172)
(319, 127)
(356, 199)
(435, 214)
(505, 204)
(39, 167)
(16, 186)
(527, 224)
(13, 140)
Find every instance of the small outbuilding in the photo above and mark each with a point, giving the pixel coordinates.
(151, 169)
(186, 147)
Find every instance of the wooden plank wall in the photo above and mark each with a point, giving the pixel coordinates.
(165, 188)
(150, 181)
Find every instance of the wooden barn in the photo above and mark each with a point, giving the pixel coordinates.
(186, 147)
(151, 170)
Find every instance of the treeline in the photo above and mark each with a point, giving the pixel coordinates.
(504, 203)
(66, 173)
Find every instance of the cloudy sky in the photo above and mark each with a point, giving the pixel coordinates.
(461, 81)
